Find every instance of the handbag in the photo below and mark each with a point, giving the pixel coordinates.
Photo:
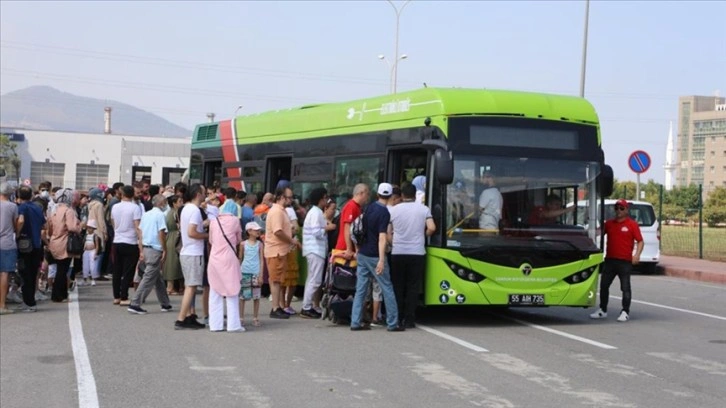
(74, 246)
(227, 239)
(25, 245)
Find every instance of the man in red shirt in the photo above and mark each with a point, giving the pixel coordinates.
(351, 211)
(622, 232)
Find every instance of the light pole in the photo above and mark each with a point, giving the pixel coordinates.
(392, 67)
(237, 110)
(584, 50)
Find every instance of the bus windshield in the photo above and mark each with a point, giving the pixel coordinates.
(532, 194)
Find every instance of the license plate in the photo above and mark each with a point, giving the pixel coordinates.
(527, 300)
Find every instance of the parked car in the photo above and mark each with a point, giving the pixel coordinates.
(644, 214)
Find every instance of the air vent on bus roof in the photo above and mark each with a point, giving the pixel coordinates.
(208, 132)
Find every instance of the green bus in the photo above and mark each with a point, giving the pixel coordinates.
(535, 145)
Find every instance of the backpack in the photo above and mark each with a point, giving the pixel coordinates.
(358, 229)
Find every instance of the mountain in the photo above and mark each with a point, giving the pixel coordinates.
(43, 107)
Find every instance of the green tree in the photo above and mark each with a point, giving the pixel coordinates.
(673, 212)
(684, 197)
(652, 192)
(623, 189)
(9, 160)
(714, 212)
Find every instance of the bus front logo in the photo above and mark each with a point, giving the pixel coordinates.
(526, 269)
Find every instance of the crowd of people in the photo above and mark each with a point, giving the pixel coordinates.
(231, 246)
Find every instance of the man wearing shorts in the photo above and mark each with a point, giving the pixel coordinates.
(278, 242)
(191, 256)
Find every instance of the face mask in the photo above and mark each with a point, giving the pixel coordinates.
(44, 194)
(165, 209)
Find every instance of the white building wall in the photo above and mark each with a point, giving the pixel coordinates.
(119, 152)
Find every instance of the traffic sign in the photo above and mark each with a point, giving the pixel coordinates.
(639, 161)
(26, 182)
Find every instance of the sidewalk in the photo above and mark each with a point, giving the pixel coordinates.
(693, 269)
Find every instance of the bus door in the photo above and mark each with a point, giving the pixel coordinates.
(212, 173)
(404, 164)
(278, 168)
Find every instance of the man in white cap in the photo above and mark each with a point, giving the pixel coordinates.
(372, 262)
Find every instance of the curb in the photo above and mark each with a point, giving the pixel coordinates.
(712, 277)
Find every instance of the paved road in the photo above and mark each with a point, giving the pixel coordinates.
(671, 354)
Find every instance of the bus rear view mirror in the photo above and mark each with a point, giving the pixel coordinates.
(605, 181)
(444, 166)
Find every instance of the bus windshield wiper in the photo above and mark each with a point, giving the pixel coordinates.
(562, 241)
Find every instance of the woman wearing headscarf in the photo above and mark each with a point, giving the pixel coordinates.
(420, 183)
(63, 221)
(225, 235)
(172, 266)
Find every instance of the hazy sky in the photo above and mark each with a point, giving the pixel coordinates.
(181, 60)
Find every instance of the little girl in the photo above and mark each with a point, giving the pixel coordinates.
(251, 268)
(91, 249)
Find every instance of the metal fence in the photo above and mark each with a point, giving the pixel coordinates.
(691, 236)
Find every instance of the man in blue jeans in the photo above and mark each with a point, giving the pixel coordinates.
(372, 262)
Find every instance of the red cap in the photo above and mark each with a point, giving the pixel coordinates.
(622, 203)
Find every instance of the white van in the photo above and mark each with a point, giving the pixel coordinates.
(644, 214)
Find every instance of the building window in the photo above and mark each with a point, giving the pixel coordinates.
(89, 176)
(47, 171)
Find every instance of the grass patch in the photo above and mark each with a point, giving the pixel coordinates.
(681, 240)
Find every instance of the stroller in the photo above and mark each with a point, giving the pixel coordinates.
(339, 289)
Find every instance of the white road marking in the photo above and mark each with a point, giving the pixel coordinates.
(611, 367)
(675, 308)
(456, 340)
(691, 283)
(239, 386)
(87, 393)
(474, 393)
(195, 365)
(709, 366)
(563, 334)
(345, 388)
(552, 381)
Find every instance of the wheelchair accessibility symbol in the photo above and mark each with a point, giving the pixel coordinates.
(444, 285)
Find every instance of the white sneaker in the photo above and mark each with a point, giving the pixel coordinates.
(93, 282)
(599, 314)
(623, 316)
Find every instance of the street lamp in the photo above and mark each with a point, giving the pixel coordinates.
(392, 68)
(237, 110)
(584, 50)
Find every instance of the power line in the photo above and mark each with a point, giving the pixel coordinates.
(147, 86)
(117, 106)
(129, 58)
(29, 47)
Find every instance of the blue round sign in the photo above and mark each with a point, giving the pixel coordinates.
(639, 161)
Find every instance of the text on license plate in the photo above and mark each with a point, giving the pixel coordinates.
(526, 300)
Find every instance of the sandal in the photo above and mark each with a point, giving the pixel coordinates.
(256, 322)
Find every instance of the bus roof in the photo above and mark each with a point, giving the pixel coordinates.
(402, 110)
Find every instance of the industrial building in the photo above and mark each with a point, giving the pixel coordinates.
(84, 160)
